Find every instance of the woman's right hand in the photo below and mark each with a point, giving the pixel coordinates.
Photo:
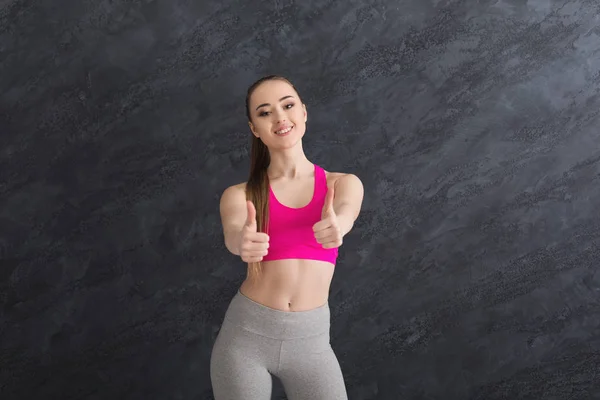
(254, 245)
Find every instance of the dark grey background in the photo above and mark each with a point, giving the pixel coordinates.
(471, 273)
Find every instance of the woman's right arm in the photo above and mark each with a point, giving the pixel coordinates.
(234, 212)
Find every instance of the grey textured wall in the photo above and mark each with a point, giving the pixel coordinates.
(471, 273)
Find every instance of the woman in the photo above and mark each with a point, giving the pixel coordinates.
(287, 223)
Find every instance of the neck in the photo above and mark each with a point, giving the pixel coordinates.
(289, 163)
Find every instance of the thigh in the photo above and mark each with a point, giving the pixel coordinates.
(311, 371)
(239, 366)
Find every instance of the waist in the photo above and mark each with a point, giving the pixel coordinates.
(291, 284)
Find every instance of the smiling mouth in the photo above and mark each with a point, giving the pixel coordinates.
(284, 131)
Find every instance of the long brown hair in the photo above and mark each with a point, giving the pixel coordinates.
(257, 187)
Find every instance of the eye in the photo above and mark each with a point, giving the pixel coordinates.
(265, 113)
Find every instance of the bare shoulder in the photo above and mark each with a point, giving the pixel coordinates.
(238, 187)
(333, 178)
(234, 194)
(348, 189)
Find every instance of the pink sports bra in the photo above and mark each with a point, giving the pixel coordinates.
(290, 230)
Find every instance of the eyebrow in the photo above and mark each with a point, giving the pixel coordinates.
(268, 104)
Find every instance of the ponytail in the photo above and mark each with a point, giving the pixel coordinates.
(257, 191)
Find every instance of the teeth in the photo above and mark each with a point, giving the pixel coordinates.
(283, 131)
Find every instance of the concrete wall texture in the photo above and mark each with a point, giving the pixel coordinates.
(472, 272)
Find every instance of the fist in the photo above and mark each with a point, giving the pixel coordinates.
(327, 231)
(254, 245)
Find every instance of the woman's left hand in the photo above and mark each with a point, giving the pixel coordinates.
(327, 230)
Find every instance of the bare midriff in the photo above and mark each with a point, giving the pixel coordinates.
(291, 285)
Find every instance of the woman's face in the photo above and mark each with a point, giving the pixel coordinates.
(278, 117)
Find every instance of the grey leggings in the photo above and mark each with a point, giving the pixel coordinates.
(256, 342)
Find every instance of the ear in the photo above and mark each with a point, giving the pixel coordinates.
(305, 113)
(252, 129)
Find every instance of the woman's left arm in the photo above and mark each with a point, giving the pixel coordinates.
(347, 201)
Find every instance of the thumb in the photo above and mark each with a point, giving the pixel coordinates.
(251, 218)
(328, 206)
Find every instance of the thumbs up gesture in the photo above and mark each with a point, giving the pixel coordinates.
(254, 245)
(327, 231)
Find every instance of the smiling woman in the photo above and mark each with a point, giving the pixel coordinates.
(284, 117)
(287, 223)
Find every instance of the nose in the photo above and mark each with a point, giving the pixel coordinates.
(280, 116)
